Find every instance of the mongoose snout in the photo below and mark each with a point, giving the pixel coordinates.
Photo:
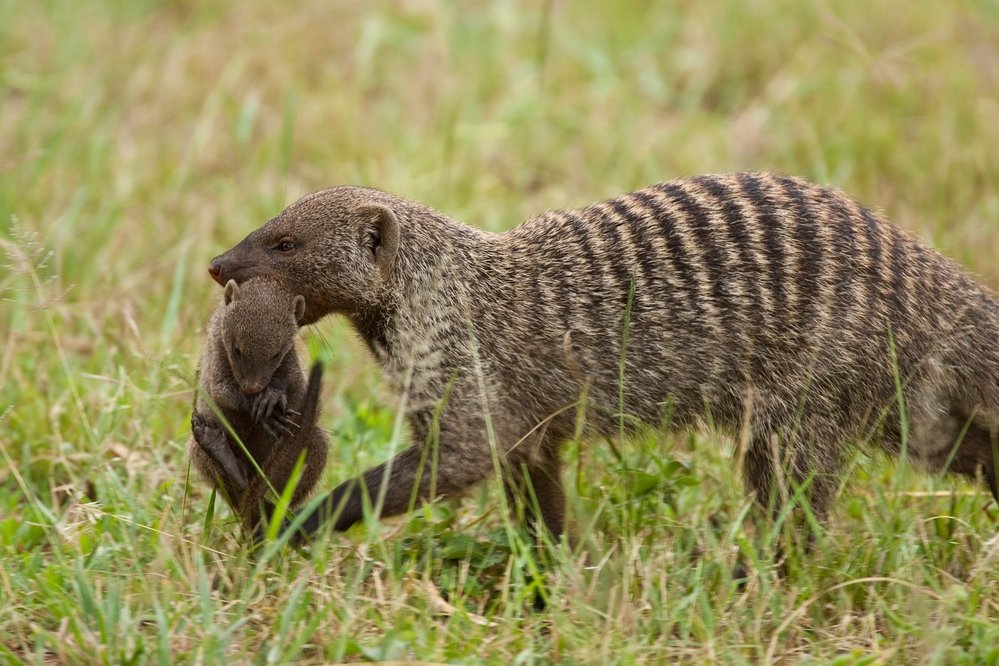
(215, 270)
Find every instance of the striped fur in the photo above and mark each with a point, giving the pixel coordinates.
(753, 299)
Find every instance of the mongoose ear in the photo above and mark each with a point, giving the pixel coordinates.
(379, 233)
(299, 304)
(231, 289)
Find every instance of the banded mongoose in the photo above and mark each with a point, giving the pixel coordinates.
(773, 306)
(250, 371)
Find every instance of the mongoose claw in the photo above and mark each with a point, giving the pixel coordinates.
(286, 421)
(276, 428)
(279, 425)
(257, 406)
(266, 403)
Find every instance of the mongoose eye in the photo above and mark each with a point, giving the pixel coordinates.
(286, 246)
(236, 351)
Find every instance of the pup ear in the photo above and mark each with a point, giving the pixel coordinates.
(298, 303)
(231, 290)
(379, 234)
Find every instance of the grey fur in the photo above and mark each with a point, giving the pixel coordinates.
(250, 344)
(765, 302)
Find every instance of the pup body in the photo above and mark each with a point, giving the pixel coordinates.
(251, 373)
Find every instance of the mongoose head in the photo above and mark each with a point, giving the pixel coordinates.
(336, 248)
(259, 323)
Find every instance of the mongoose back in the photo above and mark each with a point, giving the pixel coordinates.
(768, 304)
(251, 372)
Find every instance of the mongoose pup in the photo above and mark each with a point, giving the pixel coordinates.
(764, 303)
(251, 373)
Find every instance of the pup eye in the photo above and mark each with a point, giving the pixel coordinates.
(286, 246)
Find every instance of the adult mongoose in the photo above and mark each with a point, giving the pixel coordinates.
(250, 373)
(773, 307)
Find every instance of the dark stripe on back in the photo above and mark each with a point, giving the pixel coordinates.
(581, 230)
(768, 220)
(875, 253)
(580, 233)
(749, 272)
(809, 269)
(842, 262)
(676, 255)
(635, 236)
(618, 257)
(698, 220)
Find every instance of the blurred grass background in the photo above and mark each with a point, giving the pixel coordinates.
(140, 138)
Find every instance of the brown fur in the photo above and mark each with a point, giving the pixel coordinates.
(250, 344)
(759, 301)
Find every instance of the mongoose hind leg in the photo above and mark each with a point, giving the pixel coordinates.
(789, 476)
(212, 453)
(976, 453)
(774, 483)
(804, 472)
(535, 493)
(950, 433)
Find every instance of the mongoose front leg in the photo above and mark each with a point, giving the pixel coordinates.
(408, 477)
(227, 395)
(270, 406)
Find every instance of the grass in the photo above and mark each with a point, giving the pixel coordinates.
(138, 139)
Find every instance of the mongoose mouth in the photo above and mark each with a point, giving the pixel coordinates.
(215, 270)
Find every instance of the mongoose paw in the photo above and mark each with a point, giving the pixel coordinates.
(209, 436)
(215, 443)
(267, 402)
(270, 410)
(276, 421)
(199, 422)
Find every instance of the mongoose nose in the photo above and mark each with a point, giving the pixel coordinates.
(215, 270)
(253, 389)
